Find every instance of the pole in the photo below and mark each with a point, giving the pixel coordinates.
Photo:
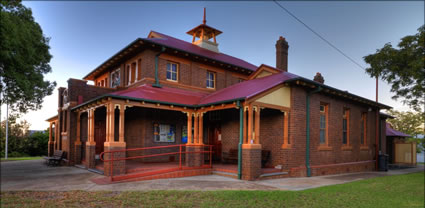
(241, 117)
(7, 128)
(377, 128)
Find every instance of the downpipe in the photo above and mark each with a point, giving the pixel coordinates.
(307, 146)
(156, 68)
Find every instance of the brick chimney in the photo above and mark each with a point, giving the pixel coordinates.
(319, 78)
(282, 54)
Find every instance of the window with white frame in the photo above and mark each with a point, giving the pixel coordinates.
(323, 124)
(115, 78)
(172, 71)
(210, 79)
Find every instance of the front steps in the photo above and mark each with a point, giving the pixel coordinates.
(152, 176)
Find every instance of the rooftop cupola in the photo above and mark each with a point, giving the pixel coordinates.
(202, 35)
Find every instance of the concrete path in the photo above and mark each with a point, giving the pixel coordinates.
(35, 175)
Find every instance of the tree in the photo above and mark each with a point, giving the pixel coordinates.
(409, 123)
(22, 143)
(18, 131)
(24, 58)
(402, 68)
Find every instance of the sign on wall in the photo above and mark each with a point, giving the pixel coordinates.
(164, 133)
(184, 134)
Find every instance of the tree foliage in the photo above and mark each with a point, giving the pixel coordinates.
(24, 58)
(403, 68)
(20, 142)
(409, 123)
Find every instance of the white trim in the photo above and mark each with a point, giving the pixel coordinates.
(137, 71)
(129, 74)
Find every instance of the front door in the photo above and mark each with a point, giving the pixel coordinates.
(99, 135)
(214, 138)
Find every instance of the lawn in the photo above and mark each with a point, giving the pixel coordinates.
(390, 191)
(20, 158)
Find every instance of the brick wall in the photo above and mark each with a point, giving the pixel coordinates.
(230, 130)
(76, 88)
(271, 134)
(192, 74)
(139, 131)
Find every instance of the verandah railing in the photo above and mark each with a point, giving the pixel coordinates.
(182, 150)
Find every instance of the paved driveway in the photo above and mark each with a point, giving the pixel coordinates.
(35, 175)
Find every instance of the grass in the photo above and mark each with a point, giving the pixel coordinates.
(389, 191)
(20, 158)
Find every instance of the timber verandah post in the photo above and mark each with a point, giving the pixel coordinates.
(50, 143)
(111, 145)
(90, 144)
(251, 149)
(194, 149)
(77, 144)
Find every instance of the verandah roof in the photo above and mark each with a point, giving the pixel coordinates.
(394, 133)
(240, 91)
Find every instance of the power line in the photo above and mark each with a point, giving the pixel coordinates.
(318, 35)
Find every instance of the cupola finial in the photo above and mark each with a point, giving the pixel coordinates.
(205, 16)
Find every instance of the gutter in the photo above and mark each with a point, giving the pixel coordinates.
(156, 68)
(307, 146)
(240, 140)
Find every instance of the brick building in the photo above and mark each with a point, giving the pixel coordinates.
(160, 91)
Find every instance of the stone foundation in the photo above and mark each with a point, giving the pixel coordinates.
(251, 161)
(331, 169)
(51, 148)
(118, 166)
(77, 155)
(194, 159)
(90, 155)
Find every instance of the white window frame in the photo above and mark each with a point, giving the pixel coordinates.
(177, 71)
(111, 75)
(129, 73)
(214, 79)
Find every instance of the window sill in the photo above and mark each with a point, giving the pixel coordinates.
(170, 80)
(286, 146)
(324, 148)
(364, 148)
(347, 148)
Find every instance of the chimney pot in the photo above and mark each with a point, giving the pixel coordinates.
(319, 78)
(282, 54)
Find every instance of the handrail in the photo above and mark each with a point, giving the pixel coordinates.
(180, 152)
(156, 147)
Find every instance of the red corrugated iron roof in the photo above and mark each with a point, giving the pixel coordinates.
(247, 89)
(394, 133)
(243, 90)
(191, 48)
(164, 94)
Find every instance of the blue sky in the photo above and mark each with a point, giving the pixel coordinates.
(84, 34)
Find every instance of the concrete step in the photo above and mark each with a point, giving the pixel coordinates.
(80, 166)
(274, 175)
(225, 174)
(96, 171)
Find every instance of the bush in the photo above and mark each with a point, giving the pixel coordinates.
(32, 145)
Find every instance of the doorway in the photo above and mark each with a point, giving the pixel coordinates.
(100, 129)
(214, 139)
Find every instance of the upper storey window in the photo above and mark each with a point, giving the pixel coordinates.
(115, 78)
(323, 124)
(172, 71)
(346, 127)
(363, 131)
(210, 79)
